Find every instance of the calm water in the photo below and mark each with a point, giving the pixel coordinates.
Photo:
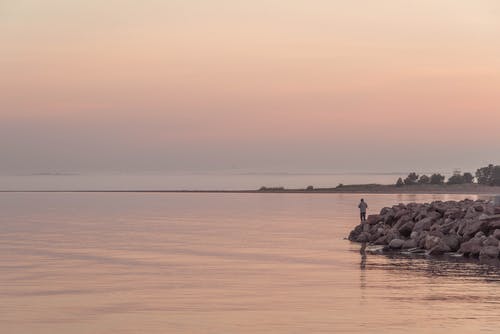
(222, 263)
(187, 181)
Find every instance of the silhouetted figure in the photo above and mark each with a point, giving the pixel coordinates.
(362, 209)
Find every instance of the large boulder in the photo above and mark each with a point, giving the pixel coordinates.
(439, 207)
(472, 227)
(392, 234)
(424, 224)
(401, 221)
(439, 249)
(400, 213)
(396, 243)
(385, 211)
(478, 207)
(389, 217)
(452, 242)
(490, 252)
(479, 234)
(373, 219)
(491, 241)
(471, 247)
(381, 240)
(436, 231)
(494, 224)
(355, 232)
(422, 238)
(431, 241)
(449, 225)
(363, 237)
(410, 243)
(406, 229)
(454, 213)
(496, 234)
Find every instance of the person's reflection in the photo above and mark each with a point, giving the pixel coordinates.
(362, 251)
(362, 272)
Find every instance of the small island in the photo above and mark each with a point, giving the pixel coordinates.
(485, 181)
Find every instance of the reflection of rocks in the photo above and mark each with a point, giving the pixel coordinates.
(470, 227)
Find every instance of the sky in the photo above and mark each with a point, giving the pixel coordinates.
(295, 85)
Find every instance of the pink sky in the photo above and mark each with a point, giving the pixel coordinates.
(272, 85)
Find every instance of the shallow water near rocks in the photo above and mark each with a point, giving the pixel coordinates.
(223, 263)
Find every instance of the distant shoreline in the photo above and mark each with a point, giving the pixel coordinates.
(344, 189)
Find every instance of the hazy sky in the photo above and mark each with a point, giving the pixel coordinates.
(386, 85)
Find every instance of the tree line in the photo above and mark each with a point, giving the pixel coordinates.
(489, 175)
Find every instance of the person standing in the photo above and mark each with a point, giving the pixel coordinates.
(362, 209)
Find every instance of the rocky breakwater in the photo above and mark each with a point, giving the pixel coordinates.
(470, 228)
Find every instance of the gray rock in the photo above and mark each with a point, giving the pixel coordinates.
(355, 232)
(496, 234)
(462, 223)
(484, 216)
(410, 243)
(406, 229)
(373, 219)
(421, 239)
(436, 231)
(389, 218)
(478, 207)
(450, 226)
(392, 234)
(493, 225)
(479, 234)
(401, 213)
(385, 211)
(381, 241)
(403, 220)
(452, 242)
(363, 237)
(472, 227)
(454, 213)
(396, 243)
(489, 251)
(491, 241)
(439, 249)
(471, 247)
(431, 241)
(423, 225)
(415, 234)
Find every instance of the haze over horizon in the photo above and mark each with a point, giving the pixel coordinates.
(359, 86)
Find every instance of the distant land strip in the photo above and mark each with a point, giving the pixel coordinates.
(344, 189)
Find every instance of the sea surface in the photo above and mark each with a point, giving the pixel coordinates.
(223, 263)
(207, 180)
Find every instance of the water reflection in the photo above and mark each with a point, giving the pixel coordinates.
(178, 263)
(362, 272)
(362, 251)
(444, 266)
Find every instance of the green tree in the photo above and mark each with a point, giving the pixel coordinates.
(399, 182)
(489, 175)
(468, 178)
(424, 179)
(411, 179)
(437, 178)
(456, 179)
